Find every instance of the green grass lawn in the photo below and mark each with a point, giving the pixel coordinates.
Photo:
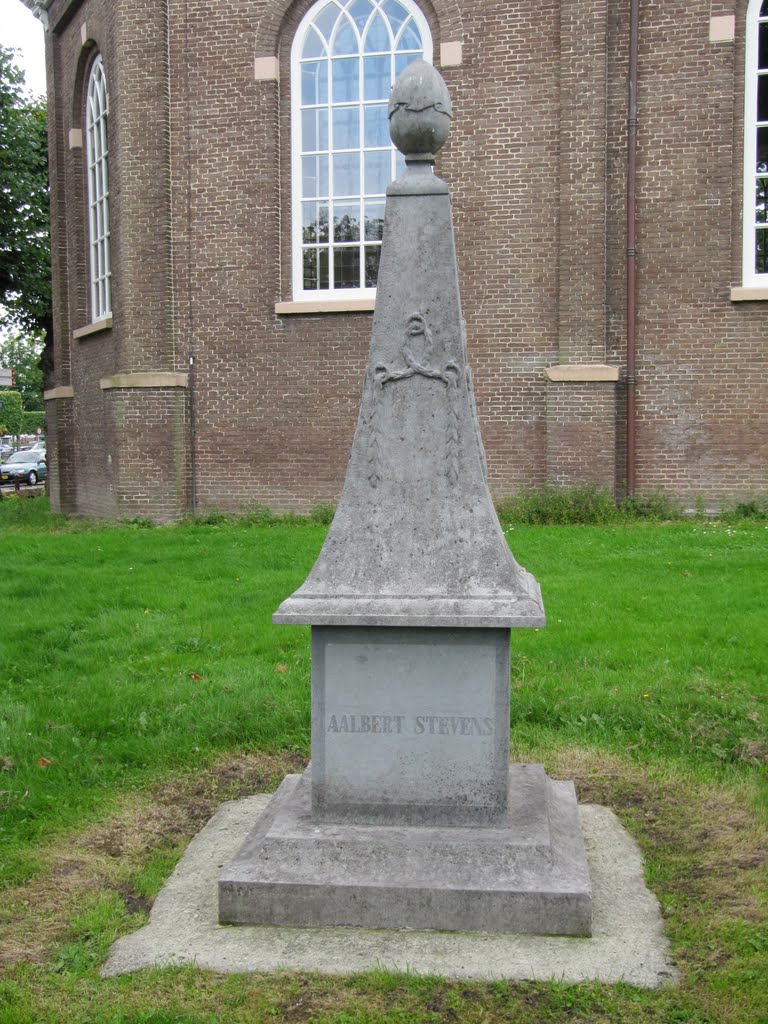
(142, 681)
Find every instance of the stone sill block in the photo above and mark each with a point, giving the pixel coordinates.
(325, 306)
(751, 294)
(92, 328)
(144, 380)
(58, 393)
(582, 372)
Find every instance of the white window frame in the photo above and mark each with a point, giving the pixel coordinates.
(750, 276)
(300, 293)
(97, 171)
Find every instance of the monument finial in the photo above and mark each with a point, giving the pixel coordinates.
(419, 112)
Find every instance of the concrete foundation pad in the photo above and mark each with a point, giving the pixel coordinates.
(627, 942)
(529, 875)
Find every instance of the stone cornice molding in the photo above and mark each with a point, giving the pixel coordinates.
(153, 379)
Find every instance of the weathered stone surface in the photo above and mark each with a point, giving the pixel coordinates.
(529, 876)
(410, 726)
(416, 540)
(409, 816)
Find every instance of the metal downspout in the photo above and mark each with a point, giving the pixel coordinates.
(632, 245)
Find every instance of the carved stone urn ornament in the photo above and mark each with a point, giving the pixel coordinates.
(409, 815)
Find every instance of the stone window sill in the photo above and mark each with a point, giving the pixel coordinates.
(93, 328)
(751, 294)
(325, 306)
(583, 372)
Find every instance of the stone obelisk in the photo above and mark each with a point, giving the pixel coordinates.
(409, 815)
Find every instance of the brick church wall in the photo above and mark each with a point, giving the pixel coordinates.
(536, 161)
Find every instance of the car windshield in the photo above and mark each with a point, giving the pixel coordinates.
(23, 457)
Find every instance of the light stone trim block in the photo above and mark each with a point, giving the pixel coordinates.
(584, 372)
(722, 28)
(325, 306)
(266, 69)
(144, 380)
(54, 394)
(92, 328)
(451, 54)
(752, 294)
(75, 138)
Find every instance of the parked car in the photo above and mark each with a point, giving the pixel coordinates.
(29, 466)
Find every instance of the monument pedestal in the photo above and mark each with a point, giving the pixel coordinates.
(528, 875)
(410, 816)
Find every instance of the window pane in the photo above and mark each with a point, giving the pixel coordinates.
(396, 13)
(346, 267)
(762, 150)
(376, 125)
(314, 82)
(378, 165)
(309, 260)
(762, 45)
(314, 45)
(323, 280)
(326, 19)
(377, 78)
(409, 38)
(761, 251)
(314, 129)
(372, 254)
(377, 38)
(762, 98)
(402, 60)
(761, 201)
(346, 222)
(346, 174)
(310, 221)
(314, 222)
(346, 85)
(314, 176)
(361, 12)
(345, 40)
(374, 220)
(346, 128)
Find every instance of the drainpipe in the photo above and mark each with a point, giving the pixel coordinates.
(631, 244)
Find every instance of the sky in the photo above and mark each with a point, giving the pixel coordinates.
(20, 30)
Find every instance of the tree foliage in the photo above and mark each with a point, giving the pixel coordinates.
(25, 248)
(21, 354)
(11, 412)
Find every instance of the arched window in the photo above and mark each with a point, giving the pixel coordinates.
(345, 57)
(98, 191)
(755, 215)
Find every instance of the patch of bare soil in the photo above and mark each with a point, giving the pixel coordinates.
(714, 846)
(35, 916)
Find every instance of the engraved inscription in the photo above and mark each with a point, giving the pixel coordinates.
(411, 725)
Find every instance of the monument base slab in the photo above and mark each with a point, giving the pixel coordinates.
(529, 876)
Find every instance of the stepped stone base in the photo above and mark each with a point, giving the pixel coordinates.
(530, 876)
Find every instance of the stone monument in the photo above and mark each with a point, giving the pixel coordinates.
(409, 815)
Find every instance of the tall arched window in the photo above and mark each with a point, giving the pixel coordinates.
(96, 154)
(345, 57)
(755, 214)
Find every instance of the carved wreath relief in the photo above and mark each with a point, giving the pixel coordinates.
(450, 375)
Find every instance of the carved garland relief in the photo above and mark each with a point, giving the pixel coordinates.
(417, 330)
